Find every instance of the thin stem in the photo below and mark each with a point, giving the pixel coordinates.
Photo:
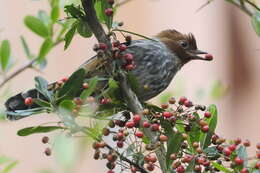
(133, 33)
(119, 4)
(253, 5)
(24, 67)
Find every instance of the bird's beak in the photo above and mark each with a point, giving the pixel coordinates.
(196, 53)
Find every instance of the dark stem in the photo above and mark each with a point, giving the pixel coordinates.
(131, 98)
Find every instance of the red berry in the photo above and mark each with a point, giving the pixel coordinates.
(122, 47)
(130, 124)
(111, 2)
(120, 144)
(102, 46)
(188, 103)
(65, 79)
(163, 138)
(146, 124)
(232, 147)
(200, 160)
(172, 100)
(244, 170)
(167, 114)
(110, 171)
(180, 169)
(238, 161)
(85, 85)
(45, 139)
(207, 114)
(173, 157)
(28, 101)
(128, 38)
(152, 159)
(258, 146)
(208, 57)
(182, 100)
(246, 143)
(139, 134)
(197, 168)
(47, 151)
(205, 128)
(237, 141)
(154, 127)
(227, 151)
(129, 67)
(136, 118)
(120, 136)
(257, 165)
(105, 101)
(150, 167)
(78, 101)
(129, 57)
(258, 154)
(109, 11)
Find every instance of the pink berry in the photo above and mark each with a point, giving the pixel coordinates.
(227, 151)
(139, 134)
(182, 100)
(122, 47)
(130, 124)
(154, 127)
(28, 101)
(244, 170)
(208, 57)
(137, 118)
(129, 67)
(205, 128)
(207, 114)
(129, 57)
(239, 161)
(109, 11)
(188, 103)
(146, 124)
(232, 147)
(65, 79)
(167, 114)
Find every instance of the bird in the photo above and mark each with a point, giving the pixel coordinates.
(156, 63)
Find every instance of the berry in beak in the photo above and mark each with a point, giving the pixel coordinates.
(195, 55)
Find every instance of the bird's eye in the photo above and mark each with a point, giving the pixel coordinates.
(184, 44)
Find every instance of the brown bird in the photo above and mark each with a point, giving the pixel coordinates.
(157, 62)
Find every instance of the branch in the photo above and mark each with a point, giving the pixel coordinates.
(24, 67)
(18, 71)
(141, 169)
(119, 4)
(132, 100)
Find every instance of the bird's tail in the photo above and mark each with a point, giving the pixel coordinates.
(17, 103)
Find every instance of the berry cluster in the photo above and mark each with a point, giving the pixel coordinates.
(45, 140)
(175, 121)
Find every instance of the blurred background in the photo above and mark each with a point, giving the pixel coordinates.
(231, 81)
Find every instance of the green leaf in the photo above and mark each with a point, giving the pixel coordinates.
(165, 97)
(255, 20)
(42, 86)
(65, 151)
(100, 7)
(45, 49)
(133, 82)
(84, 30)
(9, 167)
(221, 167)
(73, 11)
(5, 52)
(212, 152)
(92, 86)
(44, 17)
(212, 122)
(70, 34)
(55, 13)
(38, 129)
(190, 167)
(4, 159)
(36, 26)
(41, 103)
(26, 48)
(73, 86)
(173, 146)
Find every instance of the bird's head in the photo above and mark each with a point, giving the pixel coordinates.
(182, 45)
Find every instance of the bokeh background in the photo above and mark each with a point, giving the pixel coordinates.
(231, 81)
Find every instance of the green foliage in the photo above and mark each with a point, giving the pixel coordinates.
(37, 26)
(70, 34)
(72, 87)
(205, 138)
(45, 48)
(221, 167)
(8, 168)
(83, 29)
(100, 6)
(26, 48)
(256, 23)
(5, 52)
(91, 88)
(37, 129)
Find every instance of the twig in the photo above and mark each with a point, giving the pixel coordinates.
(253, 5)
(24, 67)
(142, 170)
(18, 71)
(133, 33)
(132, 100)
